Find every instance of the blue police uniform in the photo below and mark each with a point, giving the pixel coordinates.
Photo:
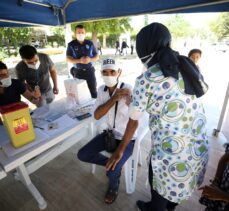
(83, 71)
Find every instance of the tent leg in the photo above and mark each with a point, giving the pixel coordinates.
(217, 130)
(68, 38)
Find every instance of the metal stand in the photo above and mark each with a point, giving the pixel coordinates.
(217, 130)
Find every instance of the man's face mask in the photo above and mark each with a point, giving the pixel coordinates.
(110, 81)
(80, 37)
(34, 66)
(6, 82)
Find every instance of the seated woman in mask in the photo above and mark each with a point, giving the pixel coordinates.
(12, 89)
(170, 92)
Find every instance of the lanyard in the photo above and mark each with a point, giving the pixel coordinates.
(116, 107)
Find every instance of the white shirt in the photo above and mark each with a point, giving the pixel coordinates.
(122, 116)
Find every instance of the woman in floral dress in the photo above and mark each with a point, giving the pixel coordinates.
(170, 92)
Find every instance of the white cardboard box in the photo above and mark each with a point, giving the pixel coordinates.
(77, 91)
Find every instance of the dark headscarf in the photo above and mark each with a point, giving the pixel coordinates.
(156, 38)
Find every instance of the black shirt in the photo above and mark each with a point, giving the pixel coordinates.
(12, 94)
(77, 50)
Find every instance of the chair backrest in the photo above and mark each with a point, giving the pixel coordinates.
(143, 126)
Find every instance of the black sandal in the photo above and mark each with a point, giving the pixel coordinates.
(111, 195)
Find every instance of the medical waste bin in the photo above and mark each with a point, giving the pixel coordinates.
(18, 123)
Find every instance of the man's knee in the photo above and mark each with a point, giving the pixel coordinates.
(82, 155)
(73, 72)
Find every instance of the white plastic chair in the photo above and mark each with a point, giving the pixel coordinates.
(131, 165)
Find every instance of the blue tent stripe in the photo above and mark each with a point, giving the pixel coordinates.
(82, 10)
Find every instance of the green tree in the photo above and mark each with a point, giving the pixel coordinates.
(58, 30)
(13, 38)
(111, 26)
(111, 39)
(178, 26)
(146, 20)
(220, 26)
(58, 36)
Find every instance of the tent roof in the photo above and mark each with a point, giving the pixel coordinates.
(59, 12)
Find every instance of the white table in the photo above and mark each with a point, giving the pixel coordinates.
(2, 173)
(42, 153)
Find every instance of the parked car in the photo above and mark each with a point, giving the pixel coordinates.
(221, 47)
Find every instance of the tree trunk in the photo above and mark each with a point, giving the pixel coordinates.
(94, 38)
(104, 41)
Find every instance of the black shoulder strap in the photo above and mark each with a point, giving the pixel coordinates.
(116, 105)
(121, 86)
(105, 88)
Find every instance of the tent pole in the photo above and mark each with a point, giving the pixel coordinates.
(68, 38)
(22, 22)
(222, 114)
(37, 3)
(68, 30)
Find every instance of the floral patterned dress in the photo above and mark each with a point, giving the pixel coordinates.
(179, 153)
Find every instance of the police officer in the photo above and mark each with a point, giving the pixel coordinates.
(82, 53)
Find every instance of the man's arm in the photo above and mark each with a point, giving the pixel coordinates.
(87, 59)
(30, 96)
(72, 60)
(52, 72)
(117, 155)
(82, 60)
(53, 75)
(214, 193)
(103, 109)
(95, 58)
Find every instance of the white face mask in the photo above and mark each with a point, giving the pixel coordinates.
(80, 37)
(148, 60)
(35, 67)
(110, 81)
(6, 82)
(144, 68)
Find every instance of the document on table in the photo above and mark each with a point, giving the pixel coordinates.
(61, 125)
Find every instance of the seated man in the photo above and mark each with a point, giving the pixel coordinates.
(12, 89)
(115, 117)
